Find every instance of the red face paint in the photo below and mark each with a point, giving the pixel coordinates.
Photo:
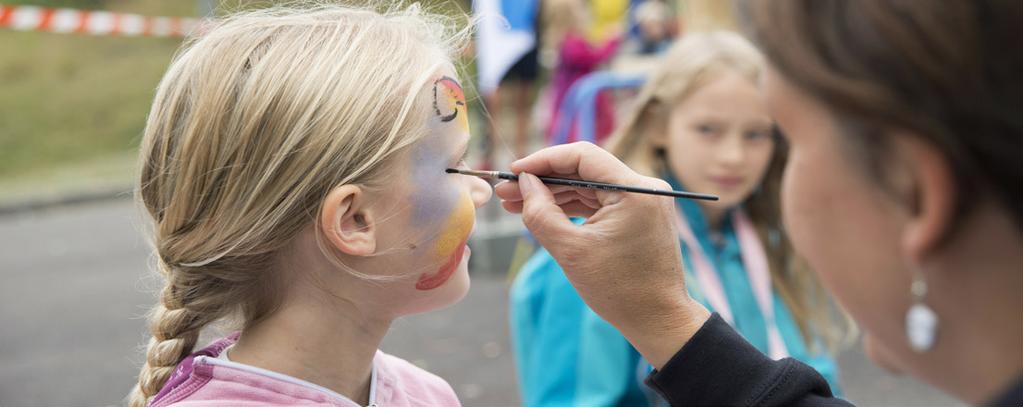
(431, 281)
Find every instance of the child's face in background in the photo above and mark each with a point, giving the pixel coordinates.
(439, 209)
(720, 140)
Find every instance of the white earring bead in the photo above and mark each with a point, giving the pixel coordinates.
(921, 320)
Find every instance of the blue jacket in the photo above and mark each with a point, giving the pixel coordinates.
(568, 356)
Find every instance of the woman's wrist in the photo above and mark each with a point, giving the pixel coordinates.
(660, 335)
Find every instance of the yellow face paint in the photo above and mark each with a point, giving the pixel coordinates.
(450, 243)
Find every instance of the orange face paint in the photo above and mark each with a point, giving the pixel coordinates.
(450, 244)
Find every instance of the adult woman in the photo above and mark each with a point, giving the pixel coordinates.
(902, 190)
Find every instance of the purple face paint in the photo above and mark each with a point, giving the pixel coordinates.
(441, 206)
(433, 199)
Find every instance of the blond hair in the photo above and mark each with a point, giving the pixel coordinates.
(251, 127)
(696, 60)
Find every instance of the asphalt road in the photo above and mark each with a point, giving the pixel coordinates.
(75, 285)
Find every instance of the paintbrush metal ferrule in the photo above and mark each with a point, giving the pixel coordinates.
(475, 173)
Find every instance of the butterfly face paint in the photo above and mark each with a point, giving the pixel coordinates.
(443, 206)
(449, 102)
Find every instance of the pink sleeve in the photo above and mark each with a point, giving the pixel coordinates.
(578, 53)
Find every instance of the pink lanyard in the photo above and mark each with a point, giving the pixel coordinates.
(755, 260)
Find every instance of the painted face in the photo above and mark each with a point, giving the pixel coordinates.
(719, 139)
(444, 204)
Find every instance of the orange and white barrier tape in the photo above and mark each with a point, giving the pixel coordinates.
(66, 20)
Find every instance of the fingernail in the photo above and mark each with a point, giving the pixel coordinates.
(526, 184)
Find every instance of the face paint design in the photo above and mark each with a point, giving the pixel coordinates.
(444, 209)
(449, 102)
(450, 245)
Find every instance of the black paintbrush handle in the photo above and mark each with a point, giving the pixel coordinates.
(611, 187)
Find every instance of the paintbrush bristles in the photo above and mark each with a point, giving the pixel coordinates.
(475, 173)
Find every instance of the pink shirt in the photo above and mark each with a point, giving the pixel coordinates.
(576, 59)
(205, 379)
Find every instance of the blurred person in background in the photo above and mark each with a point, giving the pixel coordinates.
(654, 29)
(519, 85)
(567, 22)
(699, 122)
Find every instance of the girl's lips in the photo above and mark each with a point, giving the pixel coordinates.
(727, 182)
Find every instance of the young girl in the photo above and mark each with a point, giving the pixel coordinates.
(700, 122)
(567, 21)
(293, 166)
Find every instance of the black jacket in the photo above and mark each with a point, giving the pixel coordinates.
(717, 367)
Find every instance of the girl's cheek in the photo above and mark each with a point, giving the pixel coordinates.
(457, 227)
(448, 249)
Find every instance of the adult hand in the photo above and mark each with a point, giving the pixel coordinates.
(625, 261)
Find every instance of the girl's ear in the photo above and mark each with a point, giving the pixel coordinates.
(347, 223)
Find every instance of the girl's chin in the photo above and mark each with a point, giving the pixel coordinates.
(447, 294)
(452, 292)
(727, 200)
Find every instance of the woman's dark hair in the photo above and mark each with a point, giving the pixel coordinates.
(949, 72)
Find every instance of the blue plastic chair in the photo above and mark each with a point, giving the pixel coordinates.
(580, 103)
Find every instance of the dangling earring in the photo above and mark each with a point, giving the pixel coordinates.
(921, 320)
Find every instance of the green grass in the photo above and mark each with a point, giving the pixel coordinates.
(67, 98)
(79, 101)
(71, 99)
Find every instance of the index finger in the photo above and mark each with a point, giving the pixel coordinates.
(583, 160)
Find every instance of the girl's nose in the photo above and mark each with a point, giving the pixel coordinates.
(480, 191)
(732, 151)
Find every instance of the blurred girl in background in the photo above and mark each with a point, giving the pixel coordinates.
(567, 22)
(700, 123)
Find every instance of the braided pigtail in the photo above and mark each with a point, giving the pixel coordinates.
(175, 323)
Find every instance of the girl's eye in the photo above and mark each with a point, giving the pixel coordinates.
(707, 129)
(758, 135)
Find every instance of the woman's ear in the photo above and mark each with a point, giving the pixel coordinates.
(930, 196)
(347, 222)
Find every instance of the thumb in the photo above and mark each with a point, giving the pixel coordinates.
(541, 215)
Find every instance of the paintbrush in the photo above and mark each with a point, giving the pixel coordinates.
(585, 184)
